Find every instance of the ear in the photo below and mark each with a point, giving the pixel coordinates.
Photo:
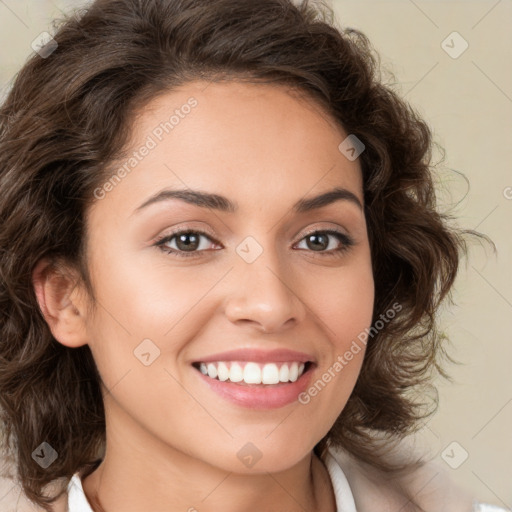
(60, 302)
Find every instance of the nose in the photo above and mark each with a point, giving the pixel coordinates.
(264, 295)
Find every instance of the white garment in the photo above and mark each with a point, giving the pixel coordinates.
(77, 501)
(482, 507)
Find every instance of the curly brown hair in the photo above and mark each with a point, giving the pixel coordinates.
(69, 116)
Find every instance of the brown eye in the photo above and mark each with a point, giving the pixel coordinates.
(187, 243)
(319, 241)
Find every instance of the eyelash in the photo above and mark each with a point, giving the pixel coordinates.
(347, 242)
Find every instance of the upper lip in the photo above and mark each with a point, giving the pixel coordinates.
(258, 355)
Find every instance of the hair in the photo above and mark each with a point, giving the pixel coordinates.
(70, 115)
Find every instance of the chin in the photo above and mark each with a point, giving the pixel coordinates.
(261, 457)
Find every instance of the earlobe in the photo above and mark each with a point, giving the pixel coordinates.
(56, 294)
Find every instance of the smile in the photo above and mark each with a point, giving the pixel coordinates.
(249, 372)
(253, 385)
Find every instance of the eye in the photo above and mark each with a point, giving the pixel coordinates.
(188, 242)
(318, 241)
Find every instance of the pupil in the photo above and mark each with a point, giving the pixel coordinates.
(187, 246)
(315, 241)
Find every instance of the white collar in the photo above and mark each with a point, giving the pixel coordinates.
(77, 501)
(342, 492)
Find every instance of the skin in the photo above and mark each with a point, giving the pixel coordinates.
(172, 443)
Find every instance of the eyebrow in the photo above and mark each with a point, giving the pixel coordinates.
(223, 204)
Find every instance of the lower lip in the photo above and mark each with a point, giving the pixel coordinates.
(257, 396)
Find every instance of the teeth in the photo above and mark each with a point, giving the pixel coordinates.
(253, 373)
(212, 370)
(222, 371)
(294, 372)
(270, 374)
(236, 373)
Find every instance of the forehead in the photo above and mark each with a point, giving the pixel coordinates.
(255, 142)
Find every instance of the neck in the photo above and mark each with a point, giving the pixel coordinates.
(135, 485)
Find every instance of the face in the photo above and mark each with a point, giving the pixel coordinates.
(259, 284)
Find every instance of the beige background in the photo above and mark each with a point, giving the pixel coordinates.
(468, 103)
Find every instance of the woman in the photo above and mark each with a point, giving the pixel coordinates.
(220, 266)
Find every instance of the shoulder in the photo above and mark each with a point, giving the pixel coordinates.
(431, 486)
(12, 497)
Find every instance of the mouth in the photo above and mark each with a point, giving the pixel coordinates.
(256, 385)
(252, 373)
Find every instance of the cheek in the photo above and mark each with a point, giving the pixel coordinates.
(344, 309)
(145, 310)
(349, 313)
(146, 301)
(344, 302)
